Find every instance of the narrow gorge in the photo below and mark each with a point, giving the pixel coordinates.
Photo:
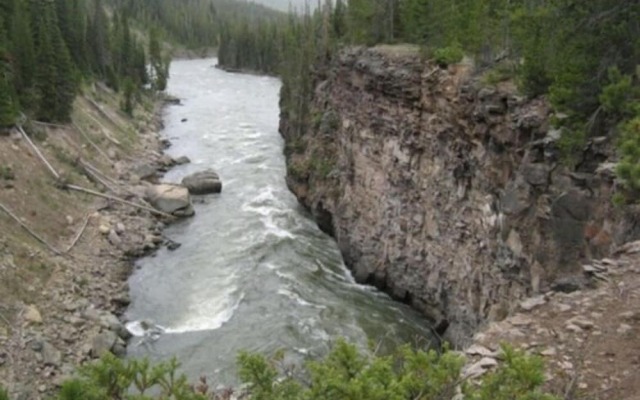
(446, 192)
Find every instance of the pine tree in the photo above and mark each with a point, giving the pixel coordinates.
(98, 41)
(66, 81)
(8, 109)
(55, 76)
(159, 66)
(24, 54)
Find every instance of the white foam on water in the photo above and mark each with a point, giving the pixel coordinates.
(209, 315)
(271, 267)
(284, 276)
(345, 277)
(138, 329)
(296, 297)
(264, 203)
(274, 229)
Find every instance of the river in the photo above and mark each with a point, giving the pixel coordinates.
(254, 271)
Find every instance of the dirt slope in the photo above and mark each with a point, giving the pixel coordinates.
(57, 311)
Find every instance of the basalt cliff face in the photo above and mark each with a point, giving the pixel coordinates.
(448, 194)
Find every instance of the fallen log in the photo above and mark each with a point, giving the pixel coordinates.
(38, 153)
(117, 199)
(26, 228)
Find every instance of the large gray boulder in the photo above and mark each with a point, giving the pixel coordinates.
(203, 182)
(102, 343)
(171, 199)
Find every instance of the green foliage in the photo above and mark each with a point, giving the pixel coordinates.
(571, 145)
(262, 376)
(4, 395)
(583, 56)
(128, 97)
(111, 378)
(502, 72)
(617, 96)
(629, 145)
(8, 109)
(6, 173)
(347, 374)
(448, 55)
(48, 46)
(159, 63)
(520, 377)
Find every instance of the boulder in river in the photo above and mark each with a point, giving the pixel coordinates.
(182, 160)
(203, 182)
(171, 199)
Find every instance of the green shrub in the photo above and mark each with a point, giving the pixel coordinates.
(571, 145)
(448, 55)
(4, 395)
(347, 374)
(628, 169)
(111, 378)
(6, 173)
(519, 377)
(344, 374)
(616, 97)
(502, 72)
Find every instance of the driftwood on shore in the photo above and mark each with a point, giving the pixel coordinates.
(117, 199)
(88, 191)
(79, 234)
(103, 113)
(38, 153)
(104, 129)
(91, 142)
(94, 176)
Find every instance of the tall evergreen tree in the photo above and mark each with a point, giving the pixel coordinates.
(98, 40)
(159, 65)
(8, 109)
(24, 53)
(55, 76)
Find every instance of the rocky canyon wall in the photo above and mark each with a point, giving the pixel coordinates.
(446, 193)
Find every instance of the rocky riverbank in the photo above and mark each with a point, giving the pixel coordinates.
(60, 305)
(588, 338)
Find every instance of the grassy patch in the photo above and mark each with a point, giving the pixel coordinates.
(6, 173)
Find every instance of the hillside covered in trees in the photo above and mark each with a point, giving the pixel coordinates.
(49, 49)
(583, 56)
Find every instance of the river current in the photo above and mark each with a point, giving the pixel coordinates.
(254, 272)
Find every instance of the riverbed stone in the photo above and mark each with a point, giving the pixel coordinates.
(182, 160)
(114, 239)
(171, 199)
(50, 355)
(145, 171)
(32, 314)
(102, 343)
(533, 302)
(203, 182)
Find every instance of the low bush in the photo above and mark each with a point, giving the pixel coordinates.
(344, 374)
(448, 55)
(347, 374)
